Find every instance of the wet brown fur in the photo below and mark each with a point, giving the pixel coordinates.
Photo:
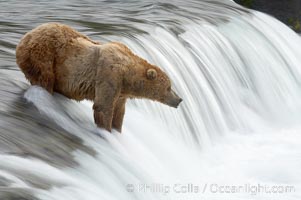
(60, 59)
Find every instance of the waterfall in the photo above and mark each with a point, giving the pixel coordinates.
(238, 72)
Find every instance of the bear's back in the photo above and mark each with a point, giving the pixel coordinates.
(44, 48)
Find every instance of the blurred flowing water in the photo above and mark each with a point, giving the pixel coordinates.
(239, 74)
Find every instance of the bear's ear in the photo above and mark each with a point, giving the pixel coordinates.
(151, 74)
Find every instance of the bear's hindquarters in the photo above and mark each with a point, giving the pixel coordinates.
(36, 62)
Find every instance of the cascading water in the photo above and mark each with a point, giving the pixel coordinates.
(238, 72)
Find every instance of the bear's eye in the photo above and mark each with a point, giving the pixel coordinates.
(169, 89)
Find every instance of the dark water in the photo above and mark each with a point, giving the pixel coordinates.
(103, 18)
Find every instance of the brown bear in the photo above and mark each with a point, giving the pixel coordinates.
(60, 59)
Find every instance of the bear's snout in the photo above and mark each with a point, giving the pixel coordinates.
(173, 99)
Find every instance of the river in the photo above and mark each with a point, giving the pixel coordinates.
(235, 136)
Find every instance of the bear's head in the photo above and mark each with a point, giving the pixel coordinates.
(142, 79)
(158, 87)
(149, 81)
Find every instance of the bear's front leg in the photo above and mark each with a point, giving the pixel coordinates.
(106, 95)
(119, 111)
(103, 118)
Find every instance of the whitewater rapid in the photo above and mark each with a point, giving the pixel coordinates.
(238, 72)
